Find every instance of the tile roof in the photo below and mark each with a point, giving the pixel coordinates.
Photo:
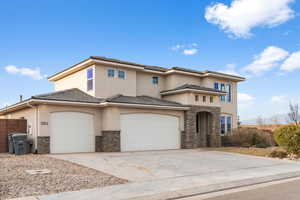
(144, 100)
(193, 87)
(76, 95)
(156, 68)
(73, 94)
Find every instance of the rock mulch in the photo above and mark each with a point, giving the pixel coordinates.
(64, 176)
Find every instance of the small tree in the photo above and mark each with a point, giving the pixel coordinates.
(294, 113)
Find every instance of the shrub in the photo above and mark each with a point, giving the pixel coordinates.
(288, 137)
(248, 137)
(278, 154)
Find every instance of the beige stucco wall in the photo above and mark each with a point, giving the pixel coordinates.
(30, 115)
(75, 80)
(176, 80)
(226, 107)
(182, 98)
(188, 98)
(144, 85)
(46, 110)
(106, 86)
(111, 116)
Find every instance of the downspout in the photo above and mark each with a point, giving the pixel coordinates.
(36, 123)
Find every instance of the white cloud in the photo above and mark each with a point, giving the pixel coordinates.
(292, 62)
(186, 49)
(279, 99)
(177, 47)
(190, 51)
(230, 69)
(245, 101)
(242, 15)
(267, 60)
(245, 98)
(33, 73)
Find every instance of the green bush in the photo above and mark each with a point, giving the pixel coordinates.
(288, 137)
(248, 137)
(278, 154)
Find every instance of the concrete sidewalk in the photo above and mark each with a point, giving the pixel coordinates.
(182, 186)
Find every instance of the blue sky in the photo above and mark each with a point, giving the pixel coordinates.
(247, 37)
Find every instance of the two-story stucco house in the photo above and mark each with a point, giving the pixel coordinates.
(103, 104)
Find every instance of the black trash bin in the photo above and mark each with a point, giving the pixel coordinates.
(20, 143)
(11, 148)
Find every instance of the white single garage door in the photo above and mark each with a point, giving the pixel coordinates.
(71, 132)
(149, 132)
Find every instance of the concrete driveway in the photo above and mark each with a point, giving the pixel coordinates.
(177, 173)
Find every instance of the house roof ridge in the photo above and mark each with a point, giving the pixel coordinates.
(162, 99)
(56, 92)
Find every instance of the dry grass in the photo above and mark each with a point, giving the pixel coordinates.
(64, 176)
(269, 127)
(263, 152)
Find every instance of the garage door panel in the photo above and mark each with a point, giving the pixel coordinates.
(149, 132)
(71, 132)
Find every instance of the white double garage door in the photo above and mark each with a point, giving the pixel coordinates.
(72, 132)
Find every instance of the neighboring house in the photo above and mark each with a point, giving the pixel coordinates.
(103, 104)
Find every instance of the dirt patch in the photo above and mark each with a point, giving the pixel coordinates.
(64, 176)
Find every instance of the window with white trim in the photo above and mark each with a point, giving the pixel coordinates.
(90, 79)
(216, 86)
(121, 74)
(225, 124)
(155, 80)
(229, 124)
(111, 73)
(223, 89)
(229, 92)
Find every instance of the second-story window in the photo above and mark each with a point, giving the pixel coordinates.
(155, 80)
(223, 89)
(204, 98)
(90, 79)
(211, 99)
(111, 73)
(121, 74)
(229, 92)
(196, 97)
(216, 85)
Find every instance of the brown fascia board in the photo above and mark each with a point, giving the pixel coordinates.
(149, 67)
(223, 74)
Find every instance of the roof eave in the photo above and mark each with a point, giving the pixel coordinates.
(192, 90)
(224, 76)
(146, 106)
(28, 103)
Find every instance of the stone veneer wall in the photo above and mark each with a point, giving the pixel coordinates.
(111, 141)
(98, 143)
(43, 144)
(190, 137)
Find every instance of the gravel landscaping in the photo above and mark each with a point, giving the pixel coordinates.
(64, 176)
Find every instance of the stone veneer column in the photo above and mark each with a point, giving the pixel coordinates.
(43, 144)
(98, 143)
(111, 141)
(190, 138)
